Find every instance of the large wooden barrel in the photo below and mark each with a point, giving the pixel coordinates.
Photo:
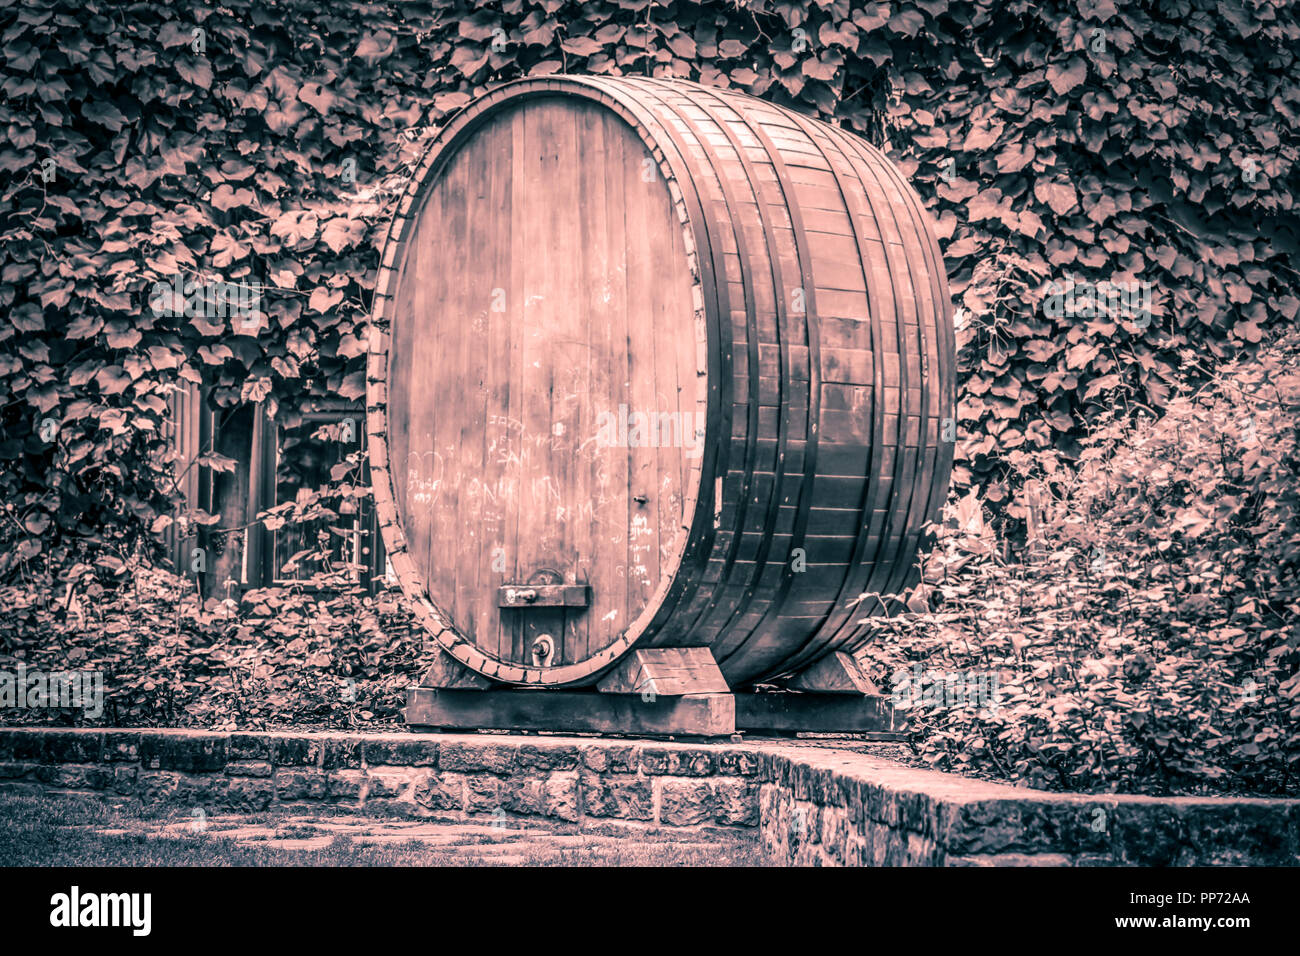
(654, 364)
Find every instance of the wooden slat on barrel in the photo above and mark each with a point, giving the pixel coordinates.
(762, 644)
(594, 252)
(510, 623)
(548, 198)
(567, 350)
(610, 520)
(937, 349)
(493, 567)
(699, 567)
(641, 532)
(473, 362)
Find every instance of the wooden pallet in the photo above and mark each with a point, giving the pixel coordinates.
(787, 714)
(676, 691)
(691, 715)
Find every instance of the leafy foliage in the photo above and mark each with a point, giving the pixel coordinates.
(322, 651)
(323, 654)
(1148, 638)
(1130, 142)
(265, 142)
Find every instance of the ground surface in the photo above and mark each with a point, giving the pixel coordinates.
(45, 830)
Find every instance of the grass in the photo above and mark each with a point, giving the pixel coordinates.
(68, 830)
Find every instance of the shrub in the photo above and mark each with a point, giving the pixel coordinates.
(324, 653)
(1148, 635)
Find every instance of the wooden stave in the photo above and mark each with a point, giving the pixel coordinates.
(666, 626)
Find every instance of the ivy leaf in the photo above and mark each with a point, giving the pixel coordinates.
(907, 22)
(196, 71)
(36, 523)
(27, 317)
(225, 198)
(981, 137)
(1015, 156)
(1080, 355)
(255, 389)
(844, 36)
(215, 354)
(112, 379)
(163, 358)
(1029, 224)
(104, 113)
(318, 97)
(446, 102)
(1066, 76)
(295, 227)
(374, 46)
(323, 299)
(217, 462)
(1058, 194)
(580, 46)
(173, 33)
(869, 17)
(354, 386)
(338, 234)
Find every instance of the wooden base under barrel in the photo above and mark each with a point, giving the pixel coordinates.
(658, 692)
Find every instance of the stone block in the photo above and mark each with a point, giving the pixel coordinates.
(738, 763)
(666, 761)
(617, 796)
(249, 768)
(439, 790)
(121, 746)
(247, 793)
(482, 793)
(1011, 859)
(464, 757)
(619, 758)
(560, 796)
(523, 795)
(125, 779)
(189, 752)
(686, 802)
(345, 786)
(340, 753)
(400, 752)
(74, 776)
(389, 782)
(156, 786)
(249, 746)
(295, 751)
(301, 784)
(19, 744)
(736, 801)
(548, 755)
(72, 746)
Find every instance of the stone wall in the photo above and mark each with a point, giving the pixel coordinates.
(826, 807)
(811, 805)
(445, 776)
